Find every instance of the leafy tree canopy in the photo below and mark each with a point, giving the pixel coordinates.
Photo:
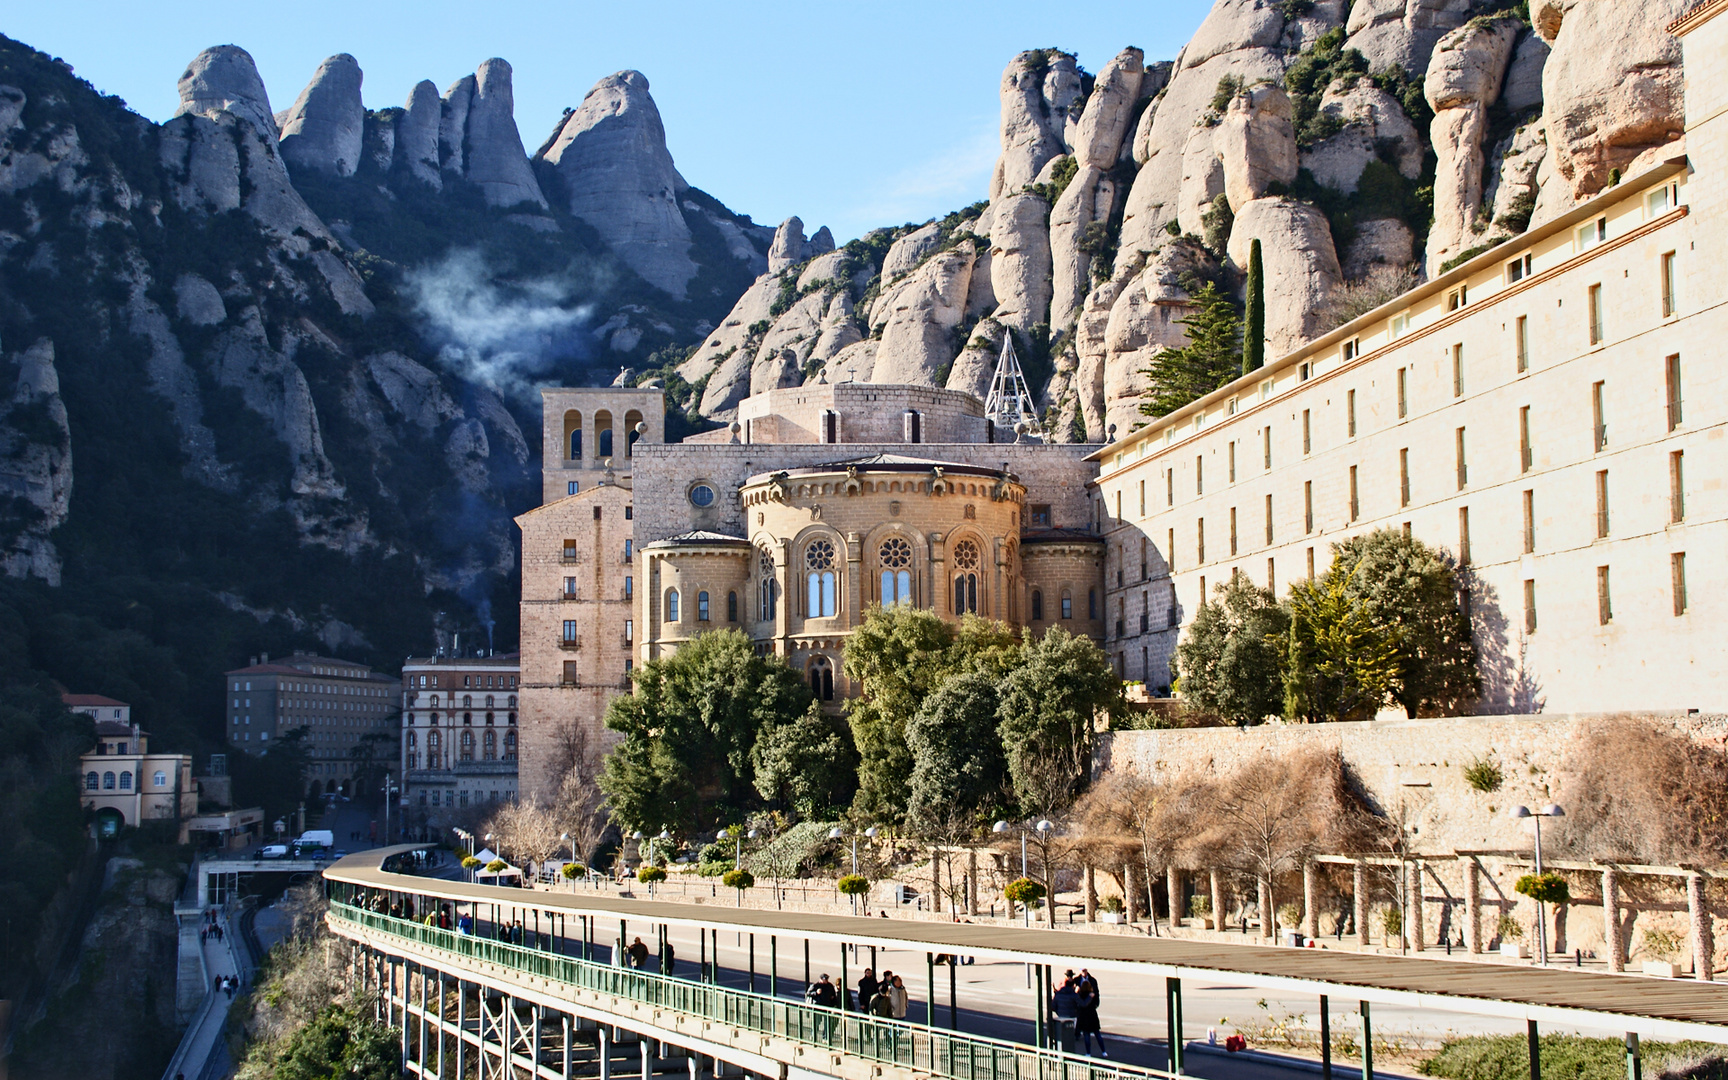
(1212, 357)
(1231, 661)
(1050, 704)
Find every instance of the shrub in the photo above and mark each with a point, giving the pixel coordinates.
(853, 885)
(1509, 928)
(1662, 944)
(738, 879)
(1484, 774)
(1507, 1057)
(1548, 888)
(496, 865)
(1392, 921)
(573, 871)
(649, 875)
(1024, 891)
(1289, 915)
(1199, 906)
(1113, 904)
(469, 862)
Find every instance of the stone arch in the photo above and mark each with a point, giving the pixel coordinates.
(970, 565)
(572, 435)
(819, 563)
(631, 419)
(895, 577)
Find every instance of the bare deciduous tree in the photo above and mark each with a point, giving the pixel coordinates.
(1641, 792)
(579, 806)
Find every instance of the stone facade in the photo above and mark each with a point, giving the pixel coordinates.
(819, 502)
(459, 737)
(1548, 413)
(590, 431)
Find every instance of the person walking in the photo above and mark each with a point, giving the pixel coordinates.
(897, 994)
(1086, 1025)
(867, 987)
(669, 962)
(1065, 1007)
(825, 995)
(638, 954)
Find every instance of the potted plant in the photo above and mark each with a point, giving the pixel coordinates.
(1025, 892)
(739, 879)
(1200, 907)
(1392, 924)
(650, 876)
(1665, 946)
(1110, 910)
(854, 885)
(1511, 933)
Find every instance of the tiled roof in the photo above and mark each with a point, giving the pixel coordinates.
(699, 536)
(85, 700)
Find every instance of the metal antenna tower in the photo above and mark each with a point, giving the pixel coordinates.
(1010, 400)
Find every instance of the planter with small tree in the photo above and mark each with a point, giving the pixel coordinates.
(1025, 892)
(1110, 909)
(1664, 945)
(496, 865)
(1511, 934)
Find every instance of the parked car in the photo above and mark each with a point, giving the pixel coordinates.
(274, 851)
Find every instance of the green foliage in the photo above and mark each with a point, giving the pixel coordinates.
(853, 885)
(1212, 357)
(1112, 904)
(340, 1043)
(689, 732)
(1316, 68)
(1516, 219)
(1216, 222)
(496, 865)
(1412, 591)
(1254, 312)
(1564, 1057)
(1051, 703)
(1392, 921)
(469, 862)
(1508, 928)
(1660, 943)
(1023, 891)
(1339, 664)
(1199, 906)
(1231, 660)
(1484, 775)
(809, 764)
(738, 879)
(1544, 888)
(1471, 252)
(1061, 175)
(959, 771)
(1225, 92)
(651, 875)
(572, 871)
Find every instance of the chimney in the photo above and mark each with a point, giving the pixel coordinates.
(264, 658)
(253, 662)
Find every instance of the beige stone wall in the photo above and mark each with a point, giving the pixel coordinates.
(1415, 419)
(594, 589)
(866, 413)
(1055, 569)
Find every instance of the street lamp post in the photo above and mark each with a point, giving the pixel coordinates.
(1044, 828)
(1536, 816)
(837, 833)
(390, 790)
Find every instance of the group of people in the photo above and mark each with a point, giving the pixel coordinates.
(227, 984)
(1075, 1007)
(884, 996)
(637, 957)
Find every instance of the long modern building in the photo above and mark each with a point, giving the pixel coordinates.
(1551, 412)
(344, 706)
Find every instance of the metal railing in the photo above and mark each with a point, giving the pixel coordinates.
(931, 1050)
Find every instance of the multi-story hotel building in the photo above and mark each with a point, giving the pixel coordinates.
(1551, 412)
(343, 705)
(121, 781)
(458, 737)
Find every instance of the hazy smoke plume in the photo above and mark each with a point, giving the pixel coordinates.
(508, 336)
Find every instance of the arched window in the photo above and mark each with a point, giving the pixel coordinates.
(488, 701)
(573, 434)
(822, 678)
(491, 746)
(819, 576)
(965, 577)
(896, 558)
(467, 718)
(107, 781)
(160, 779)
(731, 607)
(702, 605)
(671, 605)
(512, 701)
(766, 584)
(603, 433)
(411, 741)
(467, 701)
(434, 747)
(433, 719)
(631, 419)
(489, 719)
(1037, 606)
(92, 782)
(467, 746)
(509, 746)
(1091, 603)
(1067, 604)
(125, 781)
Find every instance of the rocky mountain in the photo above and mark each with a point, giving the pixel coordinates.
(265, 376)
(1364, 143)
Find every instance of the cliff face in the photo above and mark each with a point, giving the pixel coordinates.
(1348, 138)
(284, 359)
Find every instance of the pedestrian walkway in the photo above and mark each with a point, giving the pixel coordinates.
(205, 1033)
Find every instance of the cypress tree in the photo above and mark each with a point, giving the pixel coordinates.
(1254, 318)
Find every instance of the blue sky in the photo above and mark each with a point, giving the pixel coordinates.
(850, 115)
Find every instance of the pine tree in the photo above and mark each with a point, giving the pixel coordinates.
(1211, 358)
(1254, 318)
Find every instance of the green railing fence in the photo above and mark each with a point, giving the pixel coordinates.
(936, 1051)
